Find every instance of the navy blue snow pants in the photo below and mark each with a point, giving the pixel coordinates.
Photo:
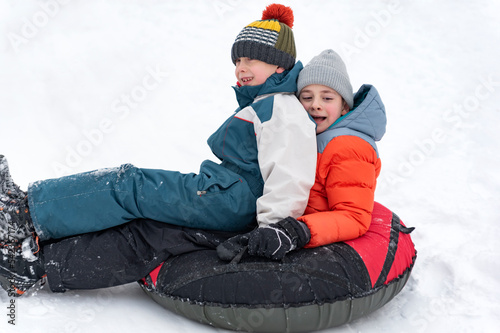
(120, 255)
(220, 197)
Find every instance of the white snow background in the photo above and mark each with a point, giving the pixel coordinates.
(92, 84)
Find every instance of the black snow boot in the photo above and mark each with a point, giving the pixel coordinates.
(7, 186)
(15, 219)
(21, 266)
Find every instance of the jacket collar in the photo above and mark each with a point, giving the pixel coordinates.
(367, 116)
(276, 83)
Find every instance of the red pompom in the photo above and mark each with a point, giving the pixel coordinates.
(279, 12)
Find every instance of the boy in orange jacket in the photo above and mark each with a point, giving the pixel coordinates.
(341, 200)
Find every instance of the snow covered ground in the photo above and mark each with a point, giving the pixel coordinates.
(92, 84)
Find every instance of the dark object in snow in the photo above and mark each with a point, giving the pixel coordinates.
(15, 221)
(7, 185)
(310, 289)
(21, 266)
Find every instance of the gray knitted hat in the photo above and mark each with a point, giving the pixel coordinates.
(329, 70)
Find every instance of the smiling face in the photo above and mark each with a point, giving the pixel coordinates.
(252, 72)
(324, 105)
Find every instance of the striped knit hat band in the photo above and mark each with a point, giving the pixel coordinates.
(265, 32)
(269, 40)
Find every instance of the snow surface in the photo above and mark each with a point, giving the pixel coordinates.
(93, 84)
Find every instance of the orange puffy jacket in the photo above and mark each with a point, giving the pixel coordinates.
(341, 200)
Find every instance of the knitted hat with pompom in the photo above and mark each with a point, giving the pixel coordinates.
(269, 40)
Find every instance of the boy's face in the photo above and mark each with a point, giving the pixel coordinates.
(324, 105)
(252, 72)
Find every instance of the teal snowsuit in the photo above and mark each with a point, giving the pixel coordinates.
(221, 197)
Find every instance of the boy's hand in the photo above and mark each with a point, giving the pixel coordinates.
(235, 245)
(273, 241)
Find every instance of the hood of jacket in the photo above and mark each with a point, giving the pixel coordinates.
(285, 82)
(367, 116)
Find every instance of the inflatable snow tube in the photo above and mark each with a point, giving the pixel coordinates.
(310, 289)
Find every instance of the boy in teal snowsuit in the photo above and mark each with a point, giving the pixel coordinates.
(267, 150)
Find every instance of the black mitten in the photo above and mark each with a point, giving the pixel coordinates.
(276, 240)
(230, 248)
